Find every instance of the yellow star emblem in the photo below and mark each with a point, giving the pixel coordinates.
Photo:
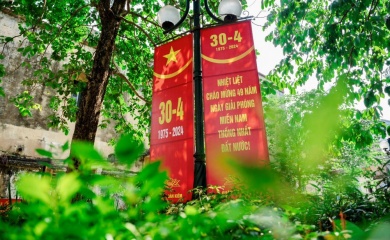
(171, 56)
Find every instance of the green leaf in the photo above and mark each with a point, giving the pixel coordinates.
(8, 39)
(369, 99)
(35, 188)
(2, 93)
(89, 157)
(358, 115)
(67, 186)
(382, 231)
(150, 172)
(349, 230)
(387, 90)
(44, 153)
(65, 147)
(85, 150)
(190, 211)
(323, 123)
(129, 149)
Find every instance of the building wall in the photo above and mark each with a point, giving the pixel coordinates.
(22, 135)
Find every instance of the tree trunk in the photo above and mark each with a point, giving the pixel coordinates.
(88, 114)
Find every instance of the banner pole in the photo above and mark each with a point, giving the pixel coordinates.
(200, 164)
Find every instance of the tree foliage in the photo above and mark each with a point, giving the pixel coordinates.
(119, 206)
(337, 167)
(325, 39)
(104, 50)
(350, 145)
(99, 49)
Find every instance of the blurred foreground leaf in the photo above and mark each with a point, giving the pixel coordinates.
(322, 125)
(381, 232)
(67, 186)
(88, 155)
(129, 149)
(35, 188)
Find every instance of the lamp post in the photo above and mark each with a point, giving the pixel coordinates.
(169, 19)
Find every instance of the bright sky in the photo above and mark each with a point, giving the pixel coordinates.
(271, 55)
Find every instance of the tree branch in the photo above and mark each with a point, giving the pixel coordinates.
(128, 6)
(350, 56)
(373, 6)
(141, 29)
(144, 19)
(105, 4)
(43, 12)
(123, 77)
(344, 15)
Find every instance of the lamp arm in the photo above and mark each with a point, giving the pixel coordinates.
(181, 19)
(211, 14)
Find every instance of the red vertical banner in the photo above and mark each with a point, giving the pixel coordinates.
(233, 113)
(172, 139)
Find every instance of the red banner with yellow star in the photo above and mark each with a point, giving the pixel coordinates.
(233, 113)
(172, 139)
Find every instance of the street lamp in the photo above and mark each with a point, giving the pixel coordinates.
(230, 10)
(169, 19)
